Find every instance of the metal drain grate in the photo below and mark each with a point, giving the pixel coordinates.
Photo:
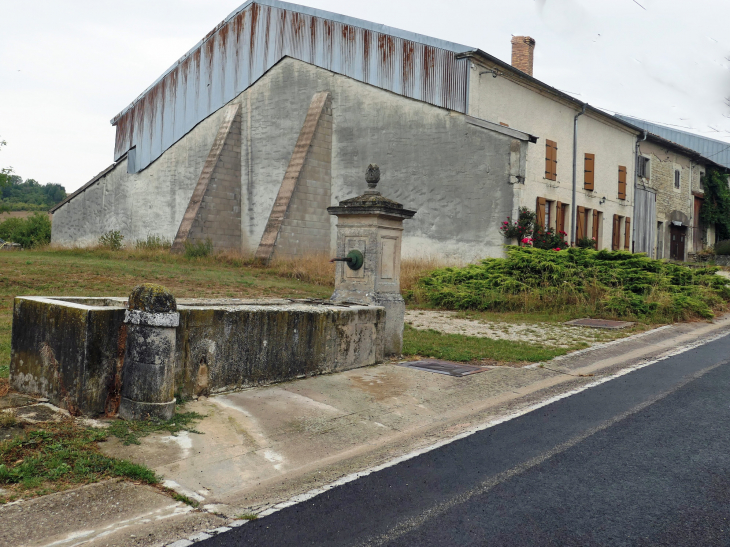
(599, 323)
(444, 367)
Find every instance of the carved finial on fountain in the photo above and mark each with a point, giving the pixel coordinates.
(372, 176)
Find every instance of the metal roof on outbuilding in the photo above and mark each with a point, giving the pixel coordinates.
(710, 149)
(258, 35)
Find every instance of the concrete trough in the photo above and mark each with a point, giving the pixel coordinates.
(71, 350)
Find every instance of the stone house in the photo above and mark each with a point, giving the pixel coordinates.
(276, 113)
(669, 178)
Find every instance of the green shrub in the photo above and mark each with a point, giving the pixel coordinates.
(30, 232)
(596, 283)
(586, 243)
(112, 240)
(152, 243)
(198, 250)
(722, 247)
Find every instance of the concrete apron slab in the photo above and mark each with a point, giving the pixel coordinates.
(107, 513)
(267, 445)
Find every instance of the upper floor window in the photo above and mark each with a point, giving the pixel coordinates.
(589, 170)
(621, 182)
(702, 180)
(642, 167)
(551, 160)
(677, 178)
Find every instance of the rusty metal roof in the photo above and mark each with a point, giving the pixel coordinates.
(258, 35)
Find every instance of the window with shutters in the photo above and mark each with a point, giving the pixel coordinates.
(548, 215)
(622, 182)
(616, 234)
(580, 221)
(627, 234)
(540, 207)
(642, 167)
(551, 160)
(589, 170)
(596, 228)
(561, 212)
(677, 179)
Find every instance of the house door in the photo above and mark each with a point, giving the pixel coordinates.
(677, 236)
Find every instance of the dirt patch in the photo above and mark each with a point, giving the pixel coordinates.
(546, 334)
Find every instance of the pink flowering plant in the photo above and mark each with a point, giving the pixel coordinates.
(528, 234)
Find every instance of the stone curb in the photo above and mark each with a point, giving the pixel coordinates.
(206, 534)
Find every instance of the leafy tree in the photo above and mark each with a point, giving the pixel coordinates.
(716, 205)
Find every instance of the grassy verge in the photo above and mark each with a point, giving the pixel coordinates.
(456, 347)
(58, 456)
(130, 432)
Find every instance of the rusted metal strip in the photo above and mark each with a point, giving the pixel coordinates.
(289, 183)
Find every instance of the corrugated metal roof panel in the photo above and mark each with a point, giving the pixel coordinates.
(717, 151)
(256, 37)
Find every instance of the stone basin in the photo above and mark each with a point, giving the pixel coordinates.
(71, 349)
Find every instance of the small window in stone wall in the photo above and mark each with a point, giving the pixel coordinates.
(677, 176)
(642, 167)
(702, 180)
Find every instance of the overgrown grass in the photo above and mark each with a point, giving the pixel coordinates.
(248, 516)
(584, 282)
(184, 499)
(58, 456)
(129, 432)
(456, 347)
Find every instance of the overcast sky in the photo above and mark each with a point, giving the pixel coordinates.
(67, 67)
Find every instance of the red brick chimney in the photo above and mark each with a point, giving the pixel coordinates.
(523, 48)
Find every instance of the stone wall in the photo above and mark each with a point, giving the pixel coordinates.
(151, 202)
(71, 350)
(672, 204)
(219, 216)
(306, 227)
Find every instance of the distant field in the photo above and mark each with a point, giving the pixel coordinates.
(19, 214)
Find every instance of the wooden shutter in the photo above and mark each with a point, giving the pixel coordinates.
(559, 217)
(616, 232)
(621, 182)
(540, 213)
(595, 226)
(627, 235)
(590, 162)
(551, 160)
(580, 229)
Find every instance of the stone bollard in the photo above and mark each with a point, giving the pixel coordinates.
(369, 234)
(148, 377)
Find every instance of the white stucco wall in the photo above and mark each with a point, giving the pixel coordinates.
(523, 106)
(151, 202)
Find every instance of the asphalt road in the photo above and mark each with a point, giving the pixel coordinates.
(641, 460)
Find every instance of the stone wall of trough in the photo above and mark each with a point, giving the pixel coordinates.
(72, 350)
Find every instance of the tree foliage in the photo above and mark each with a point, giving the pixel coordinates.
(716, 205)
(29, 232)
(30, 195)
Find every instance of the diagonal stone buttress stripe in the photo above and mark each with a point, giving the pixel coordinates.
(286, 190)
(211, 161)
